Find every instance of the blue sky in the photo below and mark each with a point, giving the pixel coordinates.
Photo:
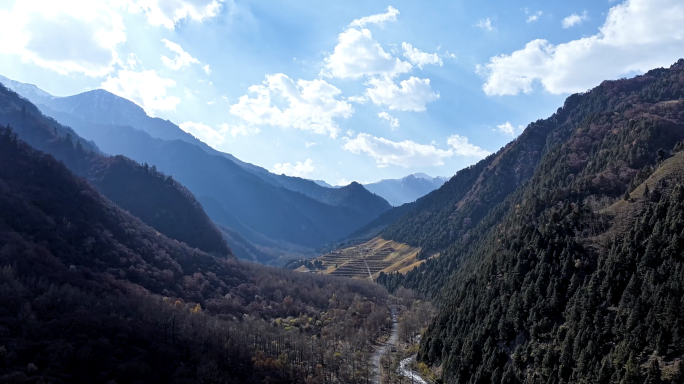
(340, 91)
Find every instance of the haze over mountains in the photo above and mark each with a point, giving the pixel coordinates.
(407, 189)
(280, 214)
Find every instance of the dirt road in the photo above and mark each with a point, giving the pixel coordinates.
(375, 359)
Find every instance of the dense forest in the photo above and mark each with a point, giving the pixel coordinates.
(571, 272)
(89, 293)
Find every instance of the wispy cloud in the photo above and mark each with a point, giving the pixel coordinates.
(390, 15)
(394, 122)
(485, 24)
(574, 19)
(298, 170)
(534, 17)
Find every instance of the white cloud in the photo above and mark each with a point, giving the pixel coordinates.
(573, 20)
(350, 132)
(390, 15)
(408, 153)
(418, 58)
(462, 147)
(69, 36)
(216, 137)
(405, 154)
(508, 129)
(394, 122)
(182, 59)
(311, 105)
(410, 95)
(638, 35)
(240, 129)
(132, 62)
(204, 133)
(358, 99)
(309, 144)
(190, 94)
(534, 17)
(485, 24)
(298, 170)
(342, 182)
(145, 88)
(357, 55)
(168, 13)
(206, 69)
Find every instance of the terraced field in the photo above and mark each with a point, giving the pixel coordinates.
(367, 260)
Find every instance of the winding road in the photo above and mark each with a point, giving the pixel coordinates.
(375, 359)
(403, 369)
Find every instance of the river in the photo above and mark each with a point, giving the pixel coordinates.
(403, 369)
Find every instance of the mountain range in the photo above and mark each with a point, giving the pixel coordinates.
(276, 213)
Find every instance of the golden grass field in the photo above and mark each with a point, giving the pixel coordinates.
(367, 260)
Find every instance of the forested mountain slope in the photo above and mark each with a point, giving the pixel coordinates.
(157, 199)
(571, 278)
(376, 226)
(446, 214)
(88, 293)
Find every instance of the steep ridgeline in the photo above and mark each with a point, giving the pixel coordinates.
(452, 218)
(407, 189)
(448, 213)
(255, 197)
(577, 275)
(89, 293)
(102, 107)
(278, 213)
(354, 196)
(158, 200)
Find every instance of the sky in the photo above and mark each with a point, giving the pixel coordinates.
(340, 91)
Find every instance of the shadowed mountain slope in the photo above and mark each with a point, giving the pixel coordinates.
(154, 197)
(89, 293)
(574, 273)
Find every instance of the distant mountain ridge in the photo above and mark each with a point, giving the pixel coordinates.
(264, 208)
(407, 189)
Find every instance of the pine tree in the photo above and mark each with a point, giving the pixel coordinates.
(653, 376)
(632, 372)
(678, 377)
